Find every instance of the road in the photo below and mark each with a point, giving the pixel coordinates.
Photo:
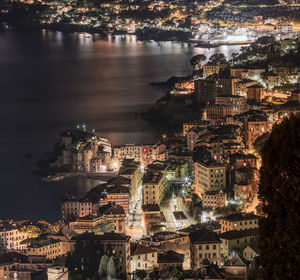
(136, 228)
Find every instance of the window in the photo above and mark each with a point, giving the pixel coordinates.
(200, 256)
(214, 247)
(200, 247)
(207, 247)
(214, 255)
(238, 241)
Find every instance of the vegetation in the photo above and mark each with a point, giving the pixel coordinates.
(85, 260)
(196, 61)
(218, 57)
(227, 210)
(280, 195)
(195, 208)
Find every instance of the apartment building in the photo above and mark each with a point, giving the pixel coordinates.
(238, 221)
(205, 244)
(254, 126)
(209, 176)
(131, 169)
(256, 93)
(129, 151)
(117, 194)
(72, 208)
(142, 258)
(50, 248)
(213, 199)
(11, 236)
(113, 244)
(237, 240)
(154, 185)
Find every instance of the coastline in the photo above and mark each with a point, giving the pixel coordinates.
(142, 35)
(61, 176)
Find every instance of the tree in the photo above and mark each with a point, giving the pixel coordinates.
(140, 274)
(103, 266)
(279, 190)
(84, 262)
(265, 40)
(234, 55)
(253, 269)
(196, 61)
(111, 268)
(218, 57)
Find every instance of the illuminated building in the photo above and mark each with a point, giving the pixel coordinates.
(236, 268)
(129, 151)
(11, 236)
(212, 68)
(154, 186)
(205, 91)
(58, 273)
(147, 152)
(188, 125)
(170, 259)
(205, 244)
(142, 257)
(17, 266)
(237, 240)
(213, 199)
(240, 88)
(192, 136)
(254, 127)
(239, 159)
(152, 217)
(49, 248)
(238, 221)
(117, 194)
(255, 93)
(238, 72)
(251, 251)
(114, 244)
(218, 111)
(209, 176)
(72, 208)
(110, 218)
(131, 169)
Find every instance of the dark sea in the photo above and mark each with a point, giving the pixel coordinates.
(50, 81)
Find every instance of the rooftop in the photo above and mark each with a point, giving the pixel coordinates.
(137, 249)
(12, 257)
(236, 234)
(106, 236)
(240, 217)
(203, 236)
(236, 261)
(152, 178)
(119, 181)
(254, 247)
(118, 189)
(111, 209)
(170, 257)
(151, 208)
